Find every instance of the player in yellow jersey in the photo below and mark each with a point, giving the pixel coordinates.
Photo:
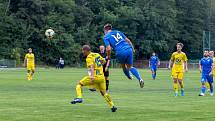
(211, 54)
(95, 78)
(179, 61)
(29, 63)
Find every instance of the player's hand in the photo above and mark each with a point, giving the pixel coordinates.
(200, 70)
(24, 65)
(186, 70)
(169, 67)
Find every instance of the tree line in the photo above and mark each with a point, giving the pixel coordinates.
(152, 25)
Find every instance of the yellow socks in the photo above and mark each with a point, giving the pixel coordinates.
(108, 100)
(175, 87)
(79, 91)
(28, 76)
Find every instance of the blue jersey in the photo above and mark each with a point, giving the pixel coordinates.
(154, 60)
(206, 64)
(116, 40)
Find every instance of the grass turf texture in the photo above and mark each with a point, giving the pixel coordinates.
(48, 96)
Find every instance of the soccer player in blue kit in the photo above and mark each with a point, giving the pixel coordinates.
(205, 67)
(153, 63)
(124, 51)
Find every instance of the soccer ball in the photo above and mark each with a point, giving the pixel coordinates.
(49, 33)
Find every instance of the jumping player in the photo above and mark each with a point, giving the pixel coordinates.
(124, 51)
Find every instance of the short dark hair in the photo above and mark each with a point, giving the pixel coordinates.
(107, 26)
(86, 47)
(180, 44)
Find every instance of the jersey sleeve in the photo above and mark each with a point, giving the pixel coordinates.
(106, 41)
(89, 61)
(200, 62)
(26, 56)
(185, 57)
(172, 57)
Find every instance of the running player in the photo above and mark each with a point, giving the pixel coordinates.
(153, 63)
(124, 51)
(95, 78)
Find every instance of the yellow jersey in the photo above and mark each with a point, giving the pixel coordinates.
(95, 60)
(178, 60)
(30, 58)
(213, 66)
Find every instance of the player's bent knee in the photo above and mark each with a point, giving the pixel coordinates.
(80, 84)
(102, 92)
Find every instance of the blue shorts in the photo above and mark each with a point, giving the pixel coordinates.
(125, 56)
(207, 78)
(153, 68)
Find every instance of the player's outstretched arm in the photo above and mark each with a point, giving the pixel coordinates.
(129, 41)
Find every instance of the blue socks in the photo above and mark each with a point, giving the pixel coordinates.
(203, 89)
(126, 72)
(211, 88)
(135, 73)
(154, 75)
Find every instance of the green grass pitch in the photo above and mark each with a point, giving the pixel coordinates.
(48, 96)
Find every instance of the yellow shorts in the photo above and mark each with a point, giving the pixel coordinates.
(99, 82)
(177, 75)
(31, 67)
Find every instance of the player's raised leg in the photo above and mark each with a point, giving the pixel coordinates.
(135, 72)
(126, 71)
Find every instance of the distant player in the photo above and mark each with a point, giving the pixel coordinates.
(153, 63)
(124, 51)
(179, 61)
(105, 66)
(205, 67)
(29, 63)
(95, 78)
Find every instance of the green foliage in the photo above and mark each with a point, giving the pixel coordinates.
(152, 25)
